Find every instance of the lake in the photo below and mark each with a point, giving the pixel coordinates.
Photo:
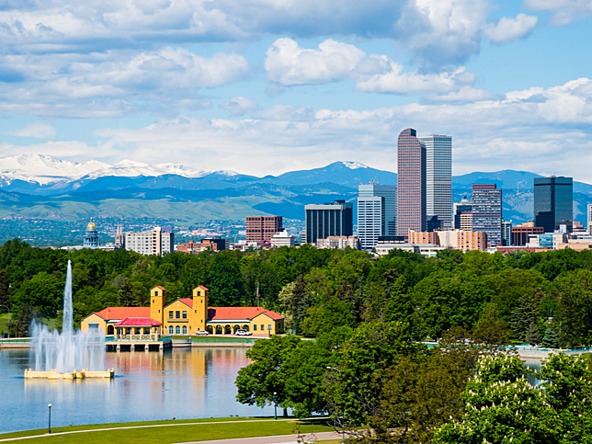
(180, 383)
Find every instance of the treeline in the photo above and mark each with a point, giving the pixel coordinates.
(539, 298)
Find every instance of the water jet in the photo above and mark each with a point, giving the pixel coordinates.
(69, 354)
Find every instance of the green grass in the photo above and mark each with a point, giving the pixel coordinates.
(165, 432)
(3, 320)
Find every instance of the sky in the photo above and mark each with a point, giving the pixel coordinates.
(269, 86)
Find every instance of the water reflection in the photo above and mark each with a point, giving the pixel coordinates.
(182, 383)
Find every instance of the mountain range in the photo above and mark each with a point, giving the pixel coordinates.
(41, 187)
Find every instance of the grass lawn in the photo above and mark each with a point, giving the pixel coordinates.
(3, 320)
(165, 432)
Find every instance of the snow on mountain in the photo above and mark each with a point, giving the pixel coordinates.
(354, 165)
(44, 169)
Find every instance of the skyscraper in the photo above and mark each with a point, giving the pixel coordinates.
(331, 219)
(377, 207)
(438, 150)
(553, 203)
(487, 212)
(411, 183)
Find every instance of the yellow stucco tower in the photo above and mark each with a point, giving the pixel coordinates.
(200, 307)
(157, 303)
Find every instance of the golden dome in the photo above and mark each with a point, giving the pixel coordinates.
(91, 226)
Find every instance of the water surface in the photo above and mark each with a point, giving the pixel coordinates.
(182, 383)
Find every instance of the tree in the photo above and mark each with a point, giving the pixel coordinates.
(263, 381)
(503, 407)
(295, 300)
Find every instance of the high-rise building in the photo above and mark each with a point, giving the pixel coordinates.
(411, 183)
(377, 208)
(438, 176)
(262, 228)
(589, 219)
(553, 203)
(487, 212)
(91, 236)
(463, 214)
(157, 242)
(331, 219)
(506, 233)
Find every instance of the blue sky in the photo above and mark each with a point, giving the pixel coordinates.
(268, 86)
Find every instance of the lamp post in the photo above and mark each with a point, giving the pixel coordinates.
(49, 419)
(275, 405)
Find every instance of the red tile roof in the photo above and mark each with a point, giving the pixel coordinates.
(187, 301)
(239, 313)
(120, 313)
(138, 322)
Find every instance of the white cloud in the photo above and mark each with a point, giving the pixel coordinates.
(444, 31)
(564, 11)
(289, 64)
(238, 106)
(508, 29)
(37, 131)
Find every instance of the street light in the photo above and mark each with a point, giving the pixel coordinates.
(275, 405)
(49, 419)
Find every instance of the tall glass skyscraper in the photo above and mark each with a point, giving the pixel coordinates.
(439, 178)
(487, 212)
(553, 203)
(411, 183)
(377, 208)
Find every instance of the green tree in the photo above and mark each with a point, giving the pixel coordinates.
(264, 380)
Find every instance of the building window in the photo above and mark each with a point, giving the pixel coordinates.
(178, 314)
(254, 327)
(170, 315)
(262, 327)
(184, 315)
(170, 330)
(184, 329)
(269, 327)
(177, 330)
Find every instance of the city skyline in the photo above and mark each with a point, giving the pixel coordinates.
(271, 86)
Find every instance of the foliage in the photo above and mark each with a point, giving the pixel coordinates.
(502, 406)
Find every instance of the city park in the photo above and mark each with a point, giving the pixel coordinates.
(368, 367)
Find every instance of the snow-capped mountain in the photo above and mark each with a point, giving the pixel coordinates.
(45, 170)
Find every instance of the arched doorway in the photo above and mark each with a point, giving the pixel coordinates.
(218, 329)
(110, 330)
(227, 330)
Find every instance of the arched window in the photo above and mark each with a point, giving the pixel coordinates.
(177, 330)
(184, 329)
(170, 329)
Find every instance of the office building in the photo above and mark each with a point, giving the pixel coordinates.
(411, 183)
(463, 214)
(506, 233)
(377, 207)
(330, 219)
(438, 178)
(260, 229)
(553, 203)
(487, 212)
(157, 242)
(521, 233)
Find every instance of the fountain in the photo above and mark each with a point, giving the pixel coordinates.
(69, 354)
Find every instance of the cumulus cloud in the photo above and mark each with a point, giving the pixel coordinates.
(36, 130)
(508, 29)
(115, 82)
(239, 106)
(564, 11)
(443, 32)
(289, 64)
